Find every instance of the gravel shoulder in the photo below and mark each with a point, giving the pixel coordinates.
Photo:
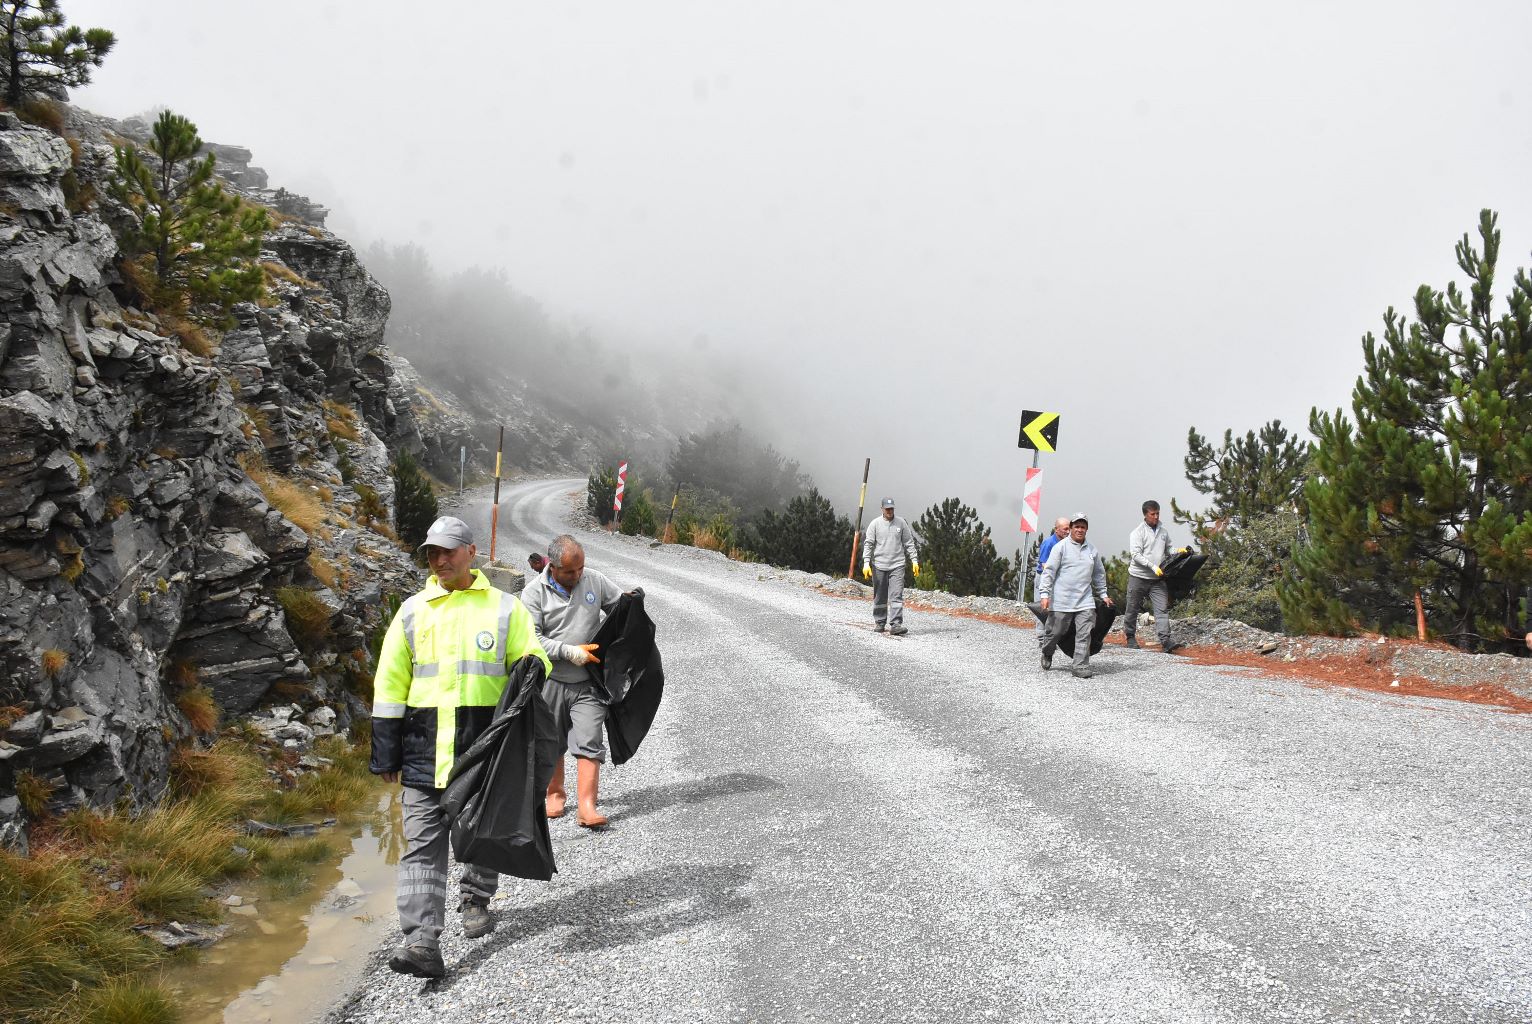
(829, 824)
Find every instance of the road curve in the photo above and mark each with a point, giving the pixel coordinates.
(831, 825)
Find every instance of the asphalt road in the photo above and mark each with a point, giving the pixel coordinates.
(831, 825)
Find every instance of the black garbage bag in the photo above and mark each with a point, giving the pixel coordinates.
(630, 674)
(1105, 616)
(1179, 567)
(495, 794)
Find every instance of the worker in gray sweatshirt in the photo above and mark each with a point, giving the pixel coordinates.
(1148, 547)
(889, 541)
(568, 603)
(1064, 587)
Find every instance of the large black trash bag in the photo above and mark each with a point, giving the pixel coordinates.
(630, 674)
(1105, 616)
(495, 795)
(1179, 567)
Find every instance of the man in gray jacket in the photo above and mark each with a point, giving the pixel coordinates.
(1073, 572)
(889, 540)
(1148, 546)
(568, 603)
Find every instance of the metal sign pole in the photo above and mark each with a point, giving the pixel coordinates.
(672, 517)
(494, 515)
(861, 504)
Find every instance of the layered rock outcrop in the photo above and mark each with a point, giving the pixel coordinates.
(172, 521)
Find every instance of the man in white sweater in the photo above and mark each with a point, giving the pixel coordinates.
(568, 603)
(1065, 585)
(1148, 546)
(889, 541)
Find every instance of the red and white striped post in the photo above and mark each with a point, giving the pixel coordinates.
(1031, 504)
(622, 483)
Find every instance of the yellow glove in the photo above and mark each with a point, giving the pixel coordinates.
(916, 566)
(1158, 571)
(866, 572)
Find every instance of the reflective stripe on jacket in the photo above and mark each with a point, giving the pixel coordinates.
(442, 668)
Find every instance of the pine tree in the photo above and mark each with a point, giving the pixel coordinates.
(956, 546)
(1429, 491)
(193, 246)
(40, 53)
(415, 504)
(1247, 476)
(807, 535)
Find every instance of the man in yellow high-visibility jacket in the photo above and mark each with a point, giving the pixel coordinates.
(444, 663)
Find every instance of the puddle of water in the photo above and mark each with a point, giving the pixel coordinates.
(288, 959)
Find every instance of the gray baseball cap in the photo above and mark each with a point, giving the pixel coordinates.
(887, 503)
(1079, 517)
(448, 532)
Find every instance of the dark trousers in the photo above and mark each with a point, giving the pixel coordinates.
(1159, 603)
(1058, 625)
(888, 596)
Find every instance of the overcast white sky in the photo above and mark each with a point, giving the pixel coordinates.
(919, 218)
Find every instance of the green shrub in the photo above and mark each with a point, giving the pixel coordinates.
(415, 506)
(638, 515)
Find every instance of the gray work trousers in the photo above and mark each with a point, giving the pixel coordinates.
(422, 899)
(1159, 603)
(888, 596)
(578, 714)
(1058, 624)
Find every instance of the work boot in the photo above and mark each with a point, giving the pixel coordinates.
(553, 804)
(879, 628)
(419, 961)
(1170, 646)
(1047, 661)
(587, 780)
(1131, 643)
(1082, 672)
(898, 630)
(477, 920)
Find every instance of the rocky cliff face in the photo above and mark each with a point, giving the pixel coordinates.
(174, 522)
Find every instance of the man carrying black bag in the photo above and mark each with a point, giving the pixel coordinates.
(443, 667)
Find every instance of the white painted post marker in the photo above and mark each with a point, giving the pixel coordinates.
(622, 483)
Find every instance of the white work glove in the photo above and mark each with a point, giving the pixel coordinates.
(581, 654)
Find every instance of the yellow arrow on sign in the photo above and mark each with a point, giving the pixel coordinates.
(1034, 431)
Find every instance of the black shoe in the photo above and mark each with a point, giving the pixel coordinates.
(897, 630)
(879, 628)
(1047, 661)
(1083, 672)
(477, 920)
(1171, 647)
(419, 961)
(1131, 642)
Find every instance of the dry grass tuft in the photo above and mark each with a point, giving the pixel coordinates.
(308, 618)
(117, 505)
(199, 707)
(282, 272)
(193, 336)
(53, 662)
(11, 714)
(34, 792)
(323, 569)
(704, 537)
(342, 420)
(299, 504)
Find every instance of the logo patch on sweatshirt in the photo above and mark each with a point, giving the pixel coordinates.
(485, 640)
(590, 597)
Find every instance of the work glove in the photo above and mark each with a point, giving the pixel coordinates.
(1158, 571)
(580, 654)
(866, 572)
(916, 567)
